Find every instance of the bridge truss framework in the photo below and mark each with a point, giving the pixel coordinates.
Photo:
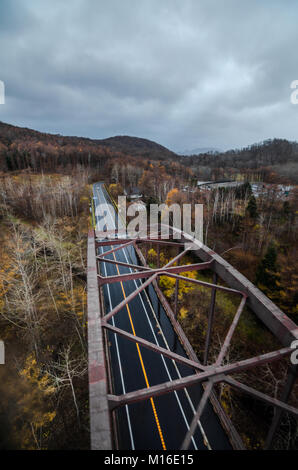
(102, 403)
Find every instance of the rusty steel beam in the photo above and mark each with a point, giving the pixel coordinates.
(177, 257)
(210, 320)
(285, 395)
(170, 314)
(158, 241)
(111, 242)
(142, 235)
(120, 263)
(211, 372)
(261, 396)
(176, 297)
(230, 333)
(164, 271)
(125, 301)
(200, 409)
(101, 234)
(154, 347)
(202, 283)
(109, 252)
(280, 325)
(138, 290)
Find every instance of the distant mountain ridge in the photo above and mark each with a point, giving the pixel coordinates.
(137, 146)
(134, 146)
(276, 156)
(199, 151)
(22, 148)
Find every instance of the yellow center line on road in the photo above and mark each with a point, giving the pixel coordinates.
(142, 365)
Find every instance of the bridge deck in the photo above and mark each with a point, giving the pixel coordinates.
(155, 394)
(160, 422)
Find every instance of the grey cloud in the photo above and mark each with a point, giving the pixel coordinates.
(186, 74)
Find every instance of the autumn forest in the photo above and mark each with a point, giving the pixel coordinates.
(45, 193)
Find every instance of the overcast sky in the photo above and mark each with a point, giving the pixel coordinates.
(187, 74)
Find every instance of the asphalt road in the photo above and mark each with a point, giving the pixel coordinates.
(161, 422)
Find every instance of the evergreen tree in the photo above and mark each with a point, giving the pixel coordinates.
(267, 277)
(243, 191)
(252, 207)
(286, 208)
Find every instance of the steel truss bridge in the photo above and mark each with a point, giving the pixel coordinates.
(147, 387)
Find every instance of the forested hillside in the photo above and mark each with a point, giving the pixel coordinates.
(272, 161)
(25, 148)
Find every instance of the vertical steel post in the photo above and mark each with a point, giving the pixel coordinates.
(176, 290)
(285, 395)
(176, 297)
(210, 320)
(158, 260)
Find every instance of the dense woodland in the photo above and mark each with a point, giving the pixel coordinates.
(43, 386)
(45, 188)
(270, 161)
